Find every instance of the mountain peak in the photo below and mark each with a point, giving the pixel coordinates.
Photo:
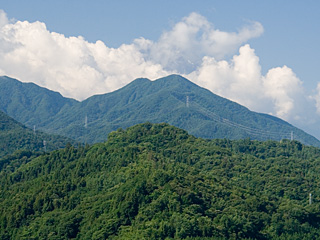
(172, 99)
(140, 81)
(175, 79)
(170, 80)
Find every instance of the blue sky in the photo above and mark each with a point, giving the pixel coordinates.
(291, 34)
(272, 46)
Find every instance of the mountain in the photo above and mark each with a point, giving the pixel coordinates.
(28, 103)
(172, 99)
(15, 136)
(155, 181)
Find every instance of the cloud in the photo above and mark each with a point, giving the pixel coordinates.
(282, 86)
(317, 98)
(79, 69)
(183, 48)
(280, 92)
(238, 80)
(193, 47)
(72, 66)
(3, 18)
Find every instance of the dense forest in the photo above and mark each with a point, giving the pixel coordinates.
(15, 136)
(155, 181)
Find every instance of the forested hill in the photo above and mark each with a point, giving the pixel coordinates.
(15, 136)
(173, 99)
(154, 181)
(28, 103)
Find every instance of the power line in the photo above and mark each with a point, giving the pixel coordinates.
(86, 129)
(252, 131)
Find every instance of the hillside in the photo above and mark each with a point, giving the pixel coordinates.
(28, 103)
(204, 114)
(154, 181)
(14, 136)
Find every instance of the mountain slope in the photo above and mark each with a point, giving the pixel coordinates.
(204, 114)
(154, 181)
(164, 100)
(28, 103)
(14, 136)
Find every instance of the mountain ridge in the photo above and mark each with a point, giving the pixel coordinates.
(204, 114)
(28, 99)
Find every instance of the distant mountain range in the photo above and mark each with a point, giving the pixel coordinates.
(173, 99)
(15, 136)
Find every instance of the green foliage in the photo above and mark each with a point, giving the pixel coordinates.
(154, 181)
(14, 136)
(163, 100)
(29, 103)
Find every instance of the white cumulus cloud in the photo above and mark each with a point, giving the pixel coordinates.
(182, 48)
(3, 18)
(317, 98)
(239, 80)
(72, 66)
(283, 87)
(79, 69)
(280, 92)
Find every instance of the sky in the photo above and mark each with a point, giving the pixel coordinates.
(261, 54)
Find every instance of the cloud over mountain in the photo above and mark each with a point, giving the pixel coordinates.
(241, 80)
(193, 48)
(182, 48)
(72, 66)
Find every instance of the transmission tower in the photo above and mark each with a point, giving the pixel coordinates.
(86, 129)
(310, 198)
(45, 145)
(86, 122)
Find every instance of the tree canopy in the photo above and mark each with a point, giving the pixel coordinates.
(155, 181)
